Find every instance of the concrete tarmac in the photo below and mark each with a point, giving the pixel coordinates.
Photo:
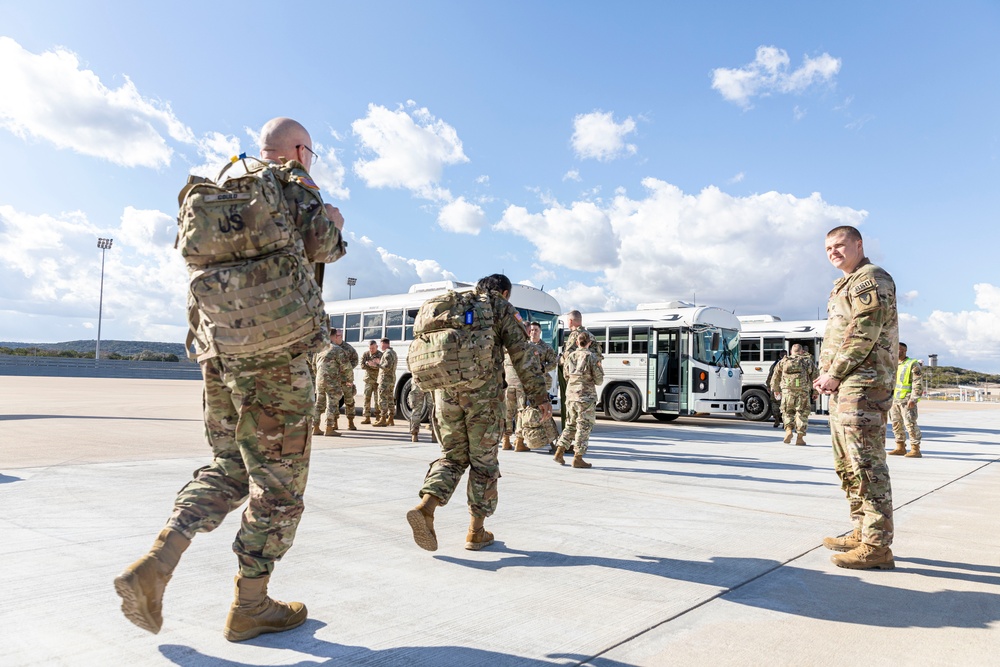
(693, 542)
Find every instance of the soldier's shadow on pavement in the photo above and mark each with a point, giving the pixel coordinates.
(845, 597)
(303, 640)
(6, 479)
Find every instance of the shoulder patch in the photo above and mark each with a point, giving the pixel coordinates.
(305, 181)
(864, 286)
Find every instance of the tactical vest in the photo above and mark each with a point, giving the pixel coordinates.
(904, 379)
(252, 289)
(452, 344)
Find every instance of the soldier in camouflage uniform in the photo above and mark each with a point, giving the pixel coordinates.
(335, 374)
(422, 403)
(469, 426)
(369, 362)
(583, 373)
(856, 365)
(792, 384)
(258, 412)
(513, 404)
(386, 386)
(903, 413)
(574, 320)
(547, 356)
(350, 390)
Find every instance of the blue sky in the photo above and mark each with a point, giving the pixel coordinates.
(614, 153)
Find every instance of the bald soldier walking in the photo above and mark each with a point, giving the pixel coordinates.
(857, 365)
(256, 318)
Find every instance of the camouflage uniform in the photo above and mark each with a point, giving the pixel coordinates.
(583, 374)
(513, 398)
(469, 422)
(350, 391)
(793, 379)
(423, 406)
(387, 383)
(859, 350)
(258, 420)
(333, 370)
(371, 382)
(569, 345)
(904, 418)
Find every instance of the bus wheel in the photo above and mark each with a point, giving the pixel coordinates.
(623, 403)
(404, 400)
(660, 417)
(756, 405)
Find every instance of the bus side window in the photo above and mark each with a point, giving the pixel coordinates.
(772, 346)
(394, 324)
(640, 340)
(600, 339)
(336, 321)
(409, 318)
(750, 349)
(352, 327)
(618, 340)
(373, 326)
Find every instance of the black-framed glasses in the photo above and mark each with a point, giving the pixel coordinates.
(311, 151)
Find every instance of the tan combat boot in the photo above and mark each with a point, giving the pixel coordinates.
(316, 429)
(478, 537)
(788, 436)
(800, 440)
(914, 452)
(519, 445)
(391, 421)
(330, 428)
(336, 421)
(506, 442)
(866, 557)
(142, 583)
(414, 436)
(900, 449)
(421, 520)
(350, 423)
(254, 613)
(380, 423)
(845, 542)
(368, 418)
(558, 458)
(578, 462)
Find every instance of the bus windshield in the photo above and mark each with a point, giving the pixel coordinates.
(548, 321)
(716, 347)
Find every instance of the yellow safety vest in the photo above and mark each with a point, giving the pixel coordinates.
(904, 379)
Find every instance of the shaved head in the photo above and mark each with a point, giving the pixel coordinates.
(280, 136)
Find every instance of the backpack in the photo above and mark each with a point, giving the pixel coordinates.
(252, 289)
(452, 344)
(792, 368)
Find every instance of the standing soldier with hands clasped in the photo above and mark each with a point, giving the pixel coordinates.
(583, 373)
(369, 362)
(857, 364)
(792, 384)
(386, 385)
(256, 315)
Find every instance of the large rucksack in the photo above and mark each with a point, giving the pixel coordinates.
(793, 368)
(252, 289)
(452, 344)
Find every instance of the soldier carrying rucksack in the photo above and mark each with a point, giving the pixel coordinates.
(250, 239)
(458, 348)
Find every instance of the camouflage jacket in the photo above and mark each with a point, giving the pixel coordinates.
(371, 373)
(794, 374)
(352, 354)
(546, 355)
(333, 367)
(862, 329)
(570, 344)
(387, 366)
(583, 373)
(510, 337)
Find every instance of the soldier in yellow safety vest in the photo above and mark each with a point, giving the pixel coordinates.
(903, 413)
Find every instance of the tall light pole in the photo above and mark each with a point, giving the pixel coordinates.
(104, 245)
(351, 282)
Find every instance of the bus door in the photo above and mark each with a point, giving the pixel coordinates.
(667, 373)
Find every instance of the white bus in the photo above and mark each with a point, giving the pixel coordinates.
(391, 316)
(761, 339)
(668, 360)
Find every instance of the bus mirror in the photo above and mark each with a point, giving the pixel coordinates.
(715, 341)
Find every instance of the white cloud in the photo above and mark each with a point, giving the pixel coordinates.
(967, 334)
(410, 148)
(738, 178)
(51, 97)
(596, 135)
(586, 298)
(462, 217)
(908, 297)
(571, 175)
(329, 172)
(579, 237)
(769, 73)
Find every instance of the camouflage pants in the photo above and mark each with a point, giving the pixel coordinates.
(386, 401)
(327, 400)
(258, 423)
(349, 407)
(857, 426)
(514, 402)
(776, 410)
(580, 419)
(469, 428)
(422, 403)
(370, 406)
(904, 420)
(795, 409)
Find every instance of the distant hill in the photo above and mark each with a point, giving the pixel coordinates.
(125, 348)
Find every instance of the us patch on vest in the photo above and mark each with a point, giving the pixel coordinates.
(306, 182)
(864, 286)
